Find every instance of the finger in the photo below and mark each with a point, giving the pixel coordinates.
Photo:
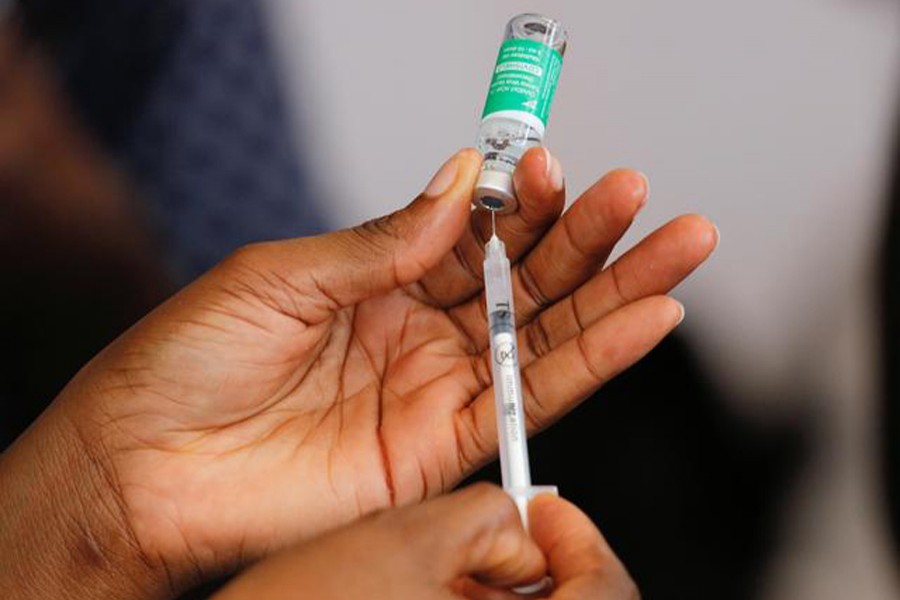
(592, 358)
(540, 190)
(564, 377)
(341, 268)
(580, 560)
(475, 532)
(574, 249)
(579, 243)
(654, 267)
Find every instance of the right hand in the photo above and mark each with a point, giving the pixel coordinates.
(469, 544)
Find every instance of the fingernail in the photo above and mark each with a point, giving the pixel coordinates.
(646, 189)
(718, 235)
(555, 174)
(681, 313)
(443, 179)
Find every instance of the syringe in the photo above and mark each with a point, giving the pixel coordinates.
(514, 466)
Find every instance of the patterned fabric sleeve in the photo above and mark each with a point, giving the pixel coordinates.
(186, 96)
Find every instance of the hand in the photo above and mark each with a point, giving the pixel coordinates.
(469, 544)
(302, 384)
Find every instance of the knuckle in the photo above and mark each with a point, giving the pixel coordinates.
(536, 412)
(537, 338)
(615, 276)
(532, 287)
(466, 265)
(380, 231)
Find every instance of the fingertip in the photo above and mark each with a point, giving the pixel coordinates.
(532, 170)
(534, 163)
(579, 559)
(469, 166)
(545, 498)
(456, 171)
(613, 202)
(539, 185)
(547, 167)
(709, 232)
(485, 533)
(630, 185)
(670, 311)
(471, 157)
(646, 186)
(548, 509)
(462, 191)
(701, 235)
(560, 528)
(679, 315)
(437, 218)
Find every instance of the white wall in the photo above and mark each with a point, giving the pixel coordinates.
(773, 117)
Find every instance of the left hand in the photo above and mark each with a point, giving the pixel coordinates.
(302, 384)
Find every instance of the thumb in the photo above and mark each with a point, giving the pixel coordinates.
(475, 534)
(347, 266)
(578, 557)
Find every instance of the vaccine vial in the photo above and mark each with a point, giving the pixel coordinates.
(518, 104)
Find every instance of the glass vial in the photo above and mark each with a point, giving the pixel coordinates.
(518, 104)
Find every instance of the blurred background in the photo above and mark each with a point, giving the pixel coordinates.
(749, 457)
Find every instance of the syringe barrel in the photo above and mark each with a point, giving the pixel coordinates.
(508, 403)
(505, 369)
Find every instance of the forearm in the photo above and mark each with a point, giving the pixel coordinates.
(62, 531)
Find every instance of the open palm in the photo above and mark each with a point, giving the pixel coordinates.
(301, 384)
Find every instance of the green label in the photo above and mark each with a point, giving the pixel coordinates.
(524, 79)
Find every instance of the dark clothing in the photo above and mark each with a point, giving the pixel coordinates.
(187, 96)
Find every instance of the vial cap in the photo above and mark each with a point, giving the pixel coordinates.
(494, 191)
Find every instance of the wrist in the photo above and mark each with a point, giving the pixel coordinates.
(63, 529)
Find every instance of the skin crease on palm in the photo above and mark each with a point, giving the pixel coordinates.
(301, 384)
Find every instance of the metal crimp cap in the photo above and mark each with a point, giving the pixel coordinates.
(494, 191)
